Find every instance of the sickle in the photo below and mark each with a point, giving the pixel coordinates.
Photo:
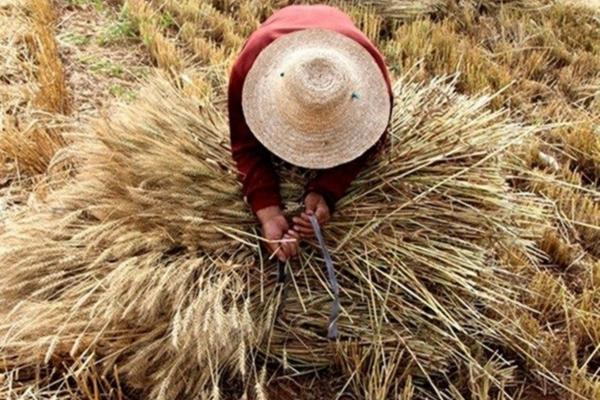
(332, 331)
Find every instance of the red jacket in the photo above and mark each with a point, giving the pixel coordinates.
(260, 182)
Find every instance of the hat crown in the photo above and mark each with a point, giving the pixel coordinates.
(318, 81)
(315, 83)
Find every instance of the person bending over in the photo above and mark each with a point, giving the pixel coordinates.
(310, 89)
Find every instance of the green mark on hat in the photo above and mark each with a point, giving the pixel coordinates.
(355, 96)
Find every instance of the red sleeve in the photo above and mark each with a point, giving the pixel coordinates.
(260, 184)
(332, 183)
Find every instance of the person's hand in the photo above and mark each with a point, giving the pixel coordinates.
(315, 205)
(281, 240)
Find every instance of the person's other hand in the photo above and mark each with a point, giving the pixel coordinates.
(315, 205)
(281, 240)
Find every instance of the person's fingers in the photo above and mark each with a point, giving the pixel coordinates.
(308, 212)
(289, 244)
(308, 235)
(294, 234)
(311, 202)
(303, 229)
(322, 214)
(292, 245)
(303, 226)
(295, 243)
(306, 216)
(292, 249)
(285, 251)
(302, 222)
(286, 245)
(276, 251)
(281, 255)
(283, 248)
(305, 233)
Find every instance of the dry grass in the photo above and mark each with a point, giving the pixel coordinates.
(163, 51)
(429, 279)
(53, 95)
(467, 254)
(34, 98)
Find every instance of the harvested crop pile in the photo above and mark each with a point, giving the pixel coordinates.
(147, 263)
(467, 253)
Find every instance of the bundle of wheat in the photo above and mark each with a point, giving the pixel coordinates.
(149, 263)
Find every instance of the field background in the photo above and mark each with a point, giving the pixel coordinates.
(66, 63)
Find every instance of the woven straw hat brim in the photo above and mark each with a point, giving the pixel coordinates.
(316, 137)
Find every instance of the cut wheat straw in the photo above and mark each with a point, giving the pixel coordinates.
(465, 273)
(150, 260)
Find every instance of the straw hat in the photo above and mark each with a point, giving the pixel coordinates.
(316, 99)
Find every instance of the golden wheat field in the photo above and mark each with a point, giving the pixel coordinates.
(468, 253)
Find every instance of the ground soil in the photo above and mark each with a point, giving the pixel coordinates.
(104, 66)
